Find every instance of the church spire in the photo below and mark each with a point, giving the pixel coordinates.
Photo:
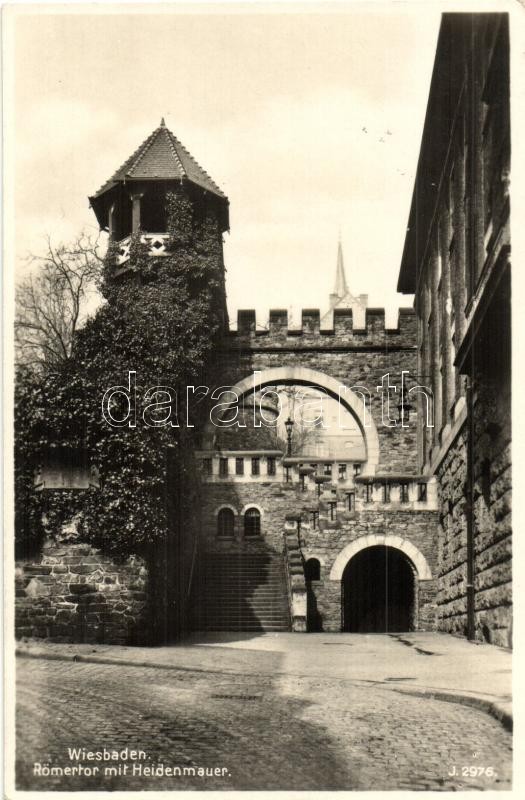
(340, 288)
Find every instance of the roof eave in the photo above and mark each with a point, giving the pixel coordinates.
(444, 83)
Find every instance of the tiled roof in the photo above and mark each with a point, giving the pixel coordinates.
(162, 156)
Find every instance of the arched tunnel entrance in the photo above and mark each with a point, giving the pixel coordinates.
(379, 592)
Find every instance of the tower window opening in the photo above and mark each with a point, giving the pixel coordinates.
(239, 466)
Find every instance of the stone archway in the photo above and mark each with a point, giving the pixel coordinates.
(379, 577)
(378, 592)
(416, 556)
(348, 398)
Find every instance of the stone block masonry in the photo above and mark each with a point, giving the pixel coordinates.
(326, 543)
(279, 501)
(351, 356)
(73, 593)
(491, 520)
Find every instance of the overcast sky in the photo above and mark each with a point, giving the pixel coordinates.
(310, 122)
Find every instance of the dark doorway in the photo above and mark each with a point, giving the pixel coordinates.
(312, 577)
(378, 592)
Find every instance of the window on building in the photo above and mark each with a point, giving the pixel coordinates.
(312, 569)
(225, 523)
(342, 472)
(252, 523)
(223, 467)
(422, 492)
(328, 470)
(271, 465)
(386, 492)
(239, 466)
(403, 492)
(369, 492)
(207, 466)
(256, 466)
(350, 501)
(357, 469)
(486, 481)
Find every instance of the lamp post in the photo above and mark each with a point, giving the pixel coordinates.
(289, 428)
(404, 408)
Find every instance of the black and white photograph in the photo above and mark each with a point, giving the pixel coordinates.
(257, 387)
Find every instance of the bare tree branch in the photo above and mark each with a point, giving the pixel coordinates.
(51, 301)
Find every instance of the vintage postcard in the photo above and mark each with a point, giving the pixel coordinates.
(258, 431)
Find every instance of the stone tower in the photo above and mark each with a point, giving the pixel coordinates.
(134, 200)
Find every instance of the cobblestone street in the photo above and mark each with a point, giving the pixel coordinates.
(263, 727)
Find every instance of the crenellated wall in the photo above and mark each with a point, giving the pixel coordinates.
(374, 333)
(353, 357)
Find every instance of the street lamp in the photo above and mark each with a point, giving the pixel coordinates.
(404, 408)
(289, 428)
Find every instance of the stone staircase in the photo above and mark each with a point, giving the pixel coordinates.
(243, 592)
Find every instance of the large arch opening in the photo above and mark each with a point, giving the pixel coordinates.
(378, 588)
(345, 419)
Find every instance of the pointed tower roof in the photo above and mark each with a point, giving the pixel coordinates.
(340, 288)
(161, 156)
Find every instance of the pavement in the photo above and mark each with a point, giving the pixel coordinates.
(434, 665)
(239, 712)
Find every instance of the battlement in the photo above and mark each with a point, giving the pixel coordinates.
(277, 330)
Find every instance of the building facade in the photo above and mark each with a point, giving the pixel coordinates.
(456, 261)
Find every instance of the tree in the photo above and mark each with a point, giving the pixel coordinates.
(51, 302)
(162, 319)
(304, 406)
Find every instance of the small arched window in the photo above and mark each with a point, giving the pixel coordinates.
(252, 522)
(225, 523)
(312, 570)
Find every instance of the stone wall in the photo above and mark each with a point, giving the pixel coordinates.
(491, 524)
(492, 519)
(351, 356)
(452, 545)
(276, 501)
(418, 528)
(73, 593)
